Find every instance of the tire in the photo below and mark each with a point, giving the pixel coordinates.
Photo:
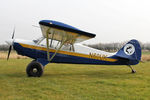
(34, 69)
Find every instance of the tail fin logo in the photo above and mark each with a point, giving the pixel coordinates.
(129, 49)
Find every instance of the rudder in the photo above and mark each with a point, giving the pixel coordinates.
(130, 51)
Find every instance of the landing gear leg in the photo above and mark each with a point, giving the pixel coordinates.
(133, 71)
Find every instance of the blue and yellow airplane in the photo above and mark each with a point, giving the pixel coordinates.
(60, 43)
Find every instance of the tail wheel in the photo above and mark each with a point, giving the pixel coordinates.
(34, 69)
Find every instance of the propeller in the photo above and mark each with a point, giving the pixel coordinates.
(11, 44)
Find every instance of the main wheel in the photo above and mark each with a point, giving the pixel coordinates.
(34, 69)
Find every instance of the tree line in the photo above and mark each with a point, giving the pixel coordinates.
(111, 47)
(4, 47)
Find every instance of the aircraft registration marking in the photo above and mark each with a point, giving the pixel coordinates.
(101, 57)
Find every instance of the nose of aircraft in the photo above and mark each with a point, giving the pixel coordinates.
(9, 42)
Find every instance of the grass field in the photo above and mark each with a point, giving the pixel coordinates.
(74, 82)
(145, 56)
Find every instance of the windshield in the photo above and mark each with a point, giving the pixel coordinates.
(56, 44)
(38, 40)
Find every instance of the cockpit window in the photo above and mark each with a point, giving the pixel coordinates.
(56, 44)
(37, 41)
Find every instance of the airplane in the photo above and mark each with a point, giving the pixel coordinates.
(60, 43)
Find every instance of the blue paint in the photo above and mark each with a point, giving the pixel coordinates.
(135, 57)
(42, 61)
(41, 56)
(62, 26)
(59, 24)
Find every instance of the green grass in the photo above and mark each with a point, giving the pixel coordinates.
(74, 82)
(145, 52)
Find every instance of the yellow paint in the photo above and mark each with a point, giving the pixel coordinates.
(91, 56)
(61, 33)
(101, 57)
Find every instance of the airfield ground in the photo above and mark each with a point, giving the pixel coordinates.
(74, 82)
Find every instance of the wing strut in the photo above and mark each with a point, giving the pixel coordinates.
(57, 51)
(52, 39)
(47, 43)
(65, 38)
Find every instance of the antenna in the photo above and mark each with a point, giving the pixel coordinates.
(36, 26)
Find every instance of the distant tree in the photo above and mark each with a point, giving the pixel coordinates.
(116, 46)
(4, 47)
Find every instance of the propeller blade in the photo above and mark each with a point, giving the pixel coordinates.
(11, 44)
(13, 33)
(9, 52)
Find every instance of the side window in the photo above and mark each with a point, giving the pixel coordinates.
(66, 47)
(55, 45)
(43, 43)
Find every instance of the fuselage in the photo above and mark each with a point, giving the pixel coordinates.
(81, 54)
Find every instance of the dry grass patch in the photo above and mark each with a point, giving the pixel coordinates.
(14, 55)
(145, 57)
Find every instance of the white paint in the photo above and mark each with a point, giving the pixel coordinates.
(79, 48)
(129, 49)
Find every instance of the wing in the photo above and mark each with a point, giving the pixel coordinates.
(60, 31)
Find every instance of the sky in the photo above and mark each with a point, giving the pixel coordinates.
(110, 20)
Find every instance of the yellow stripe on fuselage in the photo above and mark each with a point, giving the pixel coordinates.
(69, 53)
